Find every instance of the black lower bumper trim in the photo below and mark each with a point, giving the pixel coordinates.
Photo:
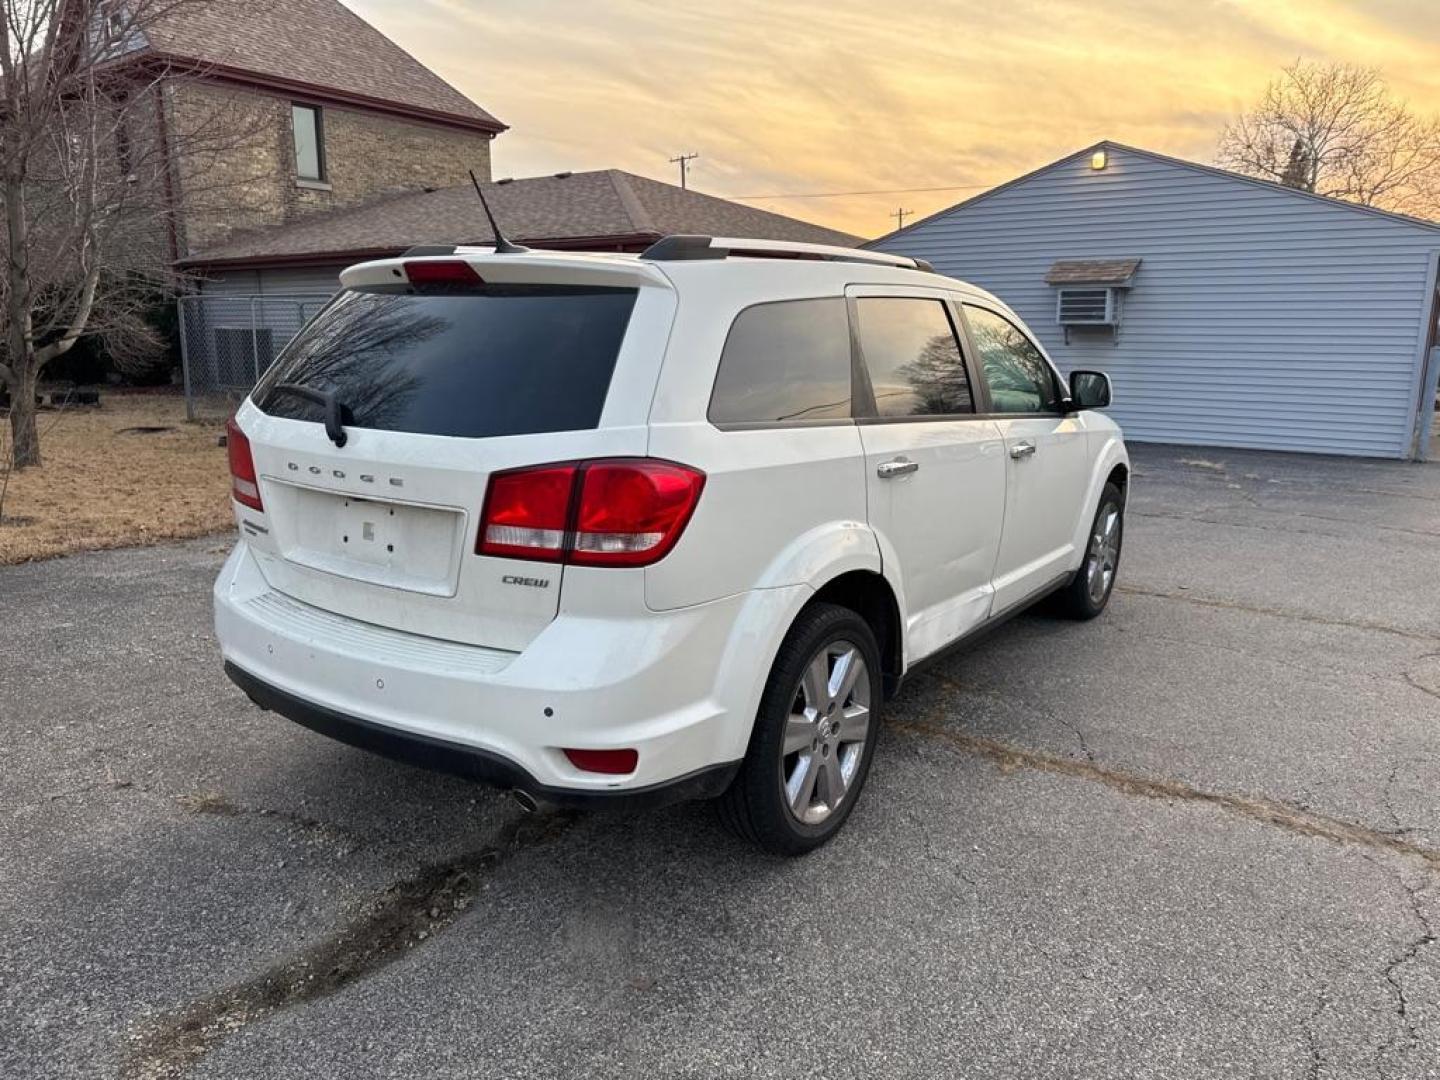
(468, 761)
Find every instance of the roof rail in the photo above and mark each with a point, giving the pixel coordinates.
(682, 247)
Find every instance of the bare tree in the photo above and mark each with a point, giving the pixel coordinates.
(88, 167)
(1336, 130)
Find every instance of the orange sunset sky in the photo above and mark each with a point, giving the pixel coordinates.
(857, 95)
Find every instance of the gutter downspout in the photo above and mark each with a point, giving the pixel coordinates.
(1429, 370)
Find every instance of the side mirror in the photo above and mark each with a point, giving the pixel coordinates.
(1089, 389)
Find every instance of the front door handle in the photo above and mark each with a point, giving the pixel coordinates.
(1022, 449)
(899, 467)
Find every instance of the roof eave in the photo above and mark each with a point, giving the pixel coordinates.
(222, 73)
(201, 261)
(1110, 144)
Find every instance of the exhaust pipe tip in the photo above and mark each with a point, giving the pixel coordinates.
(525, 800)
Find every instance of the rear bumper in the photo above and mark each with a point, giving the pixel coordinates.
(680, 687)
(469, 761)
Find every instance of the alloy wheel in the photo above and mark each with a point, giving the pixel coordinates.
(1104, 554)
(826, 731)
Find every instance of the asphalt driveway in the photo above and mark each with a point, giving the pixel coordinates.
(1198, 837)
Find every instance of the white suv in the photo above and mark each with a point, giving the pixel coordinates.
(608, 527)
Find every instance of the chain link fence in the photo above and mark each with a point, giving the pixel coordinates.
(227, 343)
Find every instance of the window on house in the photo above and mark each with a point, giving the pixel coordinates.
(785, 361)
(309, 142)
(123, 156)
(913, 357)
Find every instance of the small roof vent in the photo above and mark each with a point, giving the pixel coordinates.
(564, 175)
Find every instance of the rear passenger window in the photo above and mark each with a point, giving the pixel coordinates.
(1020, 380)
(913, 357)
(785, 361)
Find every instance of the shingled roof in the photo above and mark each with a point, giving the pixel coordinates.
(315, 43)
(1092, 272)
(607, 208)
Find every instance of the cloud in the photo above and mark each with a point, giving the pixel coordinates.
(843, 95)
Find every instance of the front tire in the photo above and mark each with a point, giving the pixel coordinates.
(814, 735)
(1088, 594)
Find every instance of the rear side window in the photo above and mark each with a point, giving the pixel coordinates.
(474, 363)
(1020, 380)
(912, 356)
(785, 361)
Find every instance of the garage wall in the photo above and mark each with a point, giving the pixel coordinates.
(1259, 317)
(306, 280)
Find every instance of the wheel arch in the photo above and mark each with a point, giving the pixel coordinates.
(870, 595)
(1110, 462)
(1120, 477)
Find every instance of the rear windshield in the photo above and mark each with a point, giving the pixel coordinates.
(495, 360)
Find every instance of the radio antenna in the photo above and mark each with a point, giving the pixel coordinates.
(502, 246)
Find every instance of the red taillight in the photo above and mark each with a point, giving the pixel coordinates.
(244, 487)
(632, 512)
(526, 512)
(627, 512)
(614, 762)
(442, 272)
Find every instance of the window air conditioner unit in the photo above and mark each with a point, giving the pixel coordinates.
(1087, 306)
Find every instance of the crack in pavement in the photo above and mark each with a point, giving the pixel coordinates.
(1385, 797)
(1409, 675)
(215, 804)
(1317, 1056)
(1203, 517)
(1279, 613)
(1406, 956)
(1006, 699)
(390, 924)
(1280, 815)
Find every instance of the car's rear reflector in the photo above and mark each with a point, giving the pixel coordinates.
(441, 272)
(620, 512)
(244, 486)
(611, 762)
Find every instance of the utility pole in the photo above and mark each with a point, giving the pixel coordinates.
(900, 215)
(683, 161)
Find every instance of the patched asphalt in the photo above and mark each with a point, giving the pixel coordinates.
(1197, 837)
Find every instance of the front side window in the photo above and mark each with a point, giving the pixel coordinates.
(1020, 379)
(785, 361)
(474, 363)
(913, 357)
(309, 142)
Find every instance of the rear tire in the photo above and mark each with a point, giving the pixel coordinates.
(1087, 595)
(814, 735)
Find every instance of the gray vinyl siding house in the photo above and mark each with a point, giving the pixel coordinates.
(1258, 316)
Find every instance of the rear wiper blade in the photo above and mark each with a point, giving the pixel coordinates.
(336, 411)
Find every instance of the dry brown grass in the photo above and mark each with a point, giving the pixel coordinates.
(100, 488)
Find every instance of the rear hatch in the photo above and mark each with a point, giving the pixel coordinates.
(440, 372)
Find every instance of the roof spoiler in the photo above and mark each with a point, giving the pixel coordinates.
(685, 247)
(421, 250)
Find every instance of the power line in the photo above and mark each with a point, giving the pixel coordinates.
(842, 194)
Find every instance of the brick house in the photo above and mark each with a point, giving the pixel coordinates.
(335, 114)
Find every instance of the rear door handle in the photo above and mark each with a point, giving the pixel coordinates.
(1022, 449)
(899, 467)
